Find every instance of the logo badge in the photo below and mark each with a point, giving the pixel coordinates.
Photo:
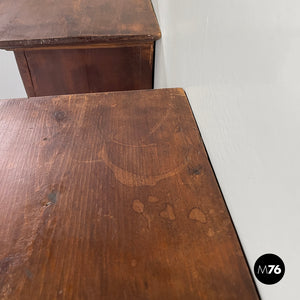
(269, 268)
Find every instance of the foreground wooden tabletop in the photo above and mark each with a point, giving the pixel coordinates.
(111, 196)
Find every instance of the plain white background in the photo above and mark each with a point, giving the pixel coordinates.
(11, 85)
(239, 62)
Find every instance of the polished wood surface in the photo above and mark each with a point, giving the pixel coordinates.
(112, 196)
(82, 70)
(34, 23)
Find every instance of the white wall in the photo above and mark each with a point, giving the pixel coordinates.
(239, 62)
(11, 85)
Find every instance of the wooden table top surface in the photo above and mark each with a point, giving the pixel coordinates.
(112, 196)
(34, 23)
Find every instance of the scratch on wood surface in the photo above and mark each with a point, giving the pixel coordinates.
(69, 101)
(82, 112)
(134, 146)
(162, 120)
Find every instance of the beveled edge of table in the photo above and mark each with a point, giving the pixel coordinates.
(117, 40)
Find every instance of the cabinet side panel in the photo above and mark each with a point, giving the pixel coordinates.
(25, 73)
(69, 71)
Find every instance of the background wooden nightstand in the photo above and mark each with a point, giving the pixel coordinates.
(66, 47)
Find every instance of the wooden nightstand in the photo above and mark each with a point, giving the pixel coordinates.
(65, 47)
(112, 196)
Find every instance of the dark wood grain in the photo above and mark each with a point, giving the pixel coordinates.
(84, 70)
(32, 23)
(111, 196)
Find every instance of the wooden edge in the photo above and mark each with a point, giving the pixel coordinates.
(176, 90)
(80, 41)
(86, 46)
(25, 73)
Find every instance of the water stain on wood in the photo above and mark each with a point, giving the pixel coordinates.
(210, 232)
(196, 214)
(133, 263)
(168, 213)
(138, 206)
(152, 199)
(130, 178)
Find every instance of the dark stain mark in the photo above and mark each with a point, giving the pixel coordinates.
(28, 274)
(52, 197)
(146, 284)
(4, 264)
(195, 170)
(45, 139)
(59, 116)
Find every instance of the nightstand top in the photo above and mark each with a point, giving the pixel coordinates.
(34, 23)
(112, 196)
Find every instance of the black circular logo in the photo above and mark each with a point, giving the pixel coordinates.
(269, 269)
